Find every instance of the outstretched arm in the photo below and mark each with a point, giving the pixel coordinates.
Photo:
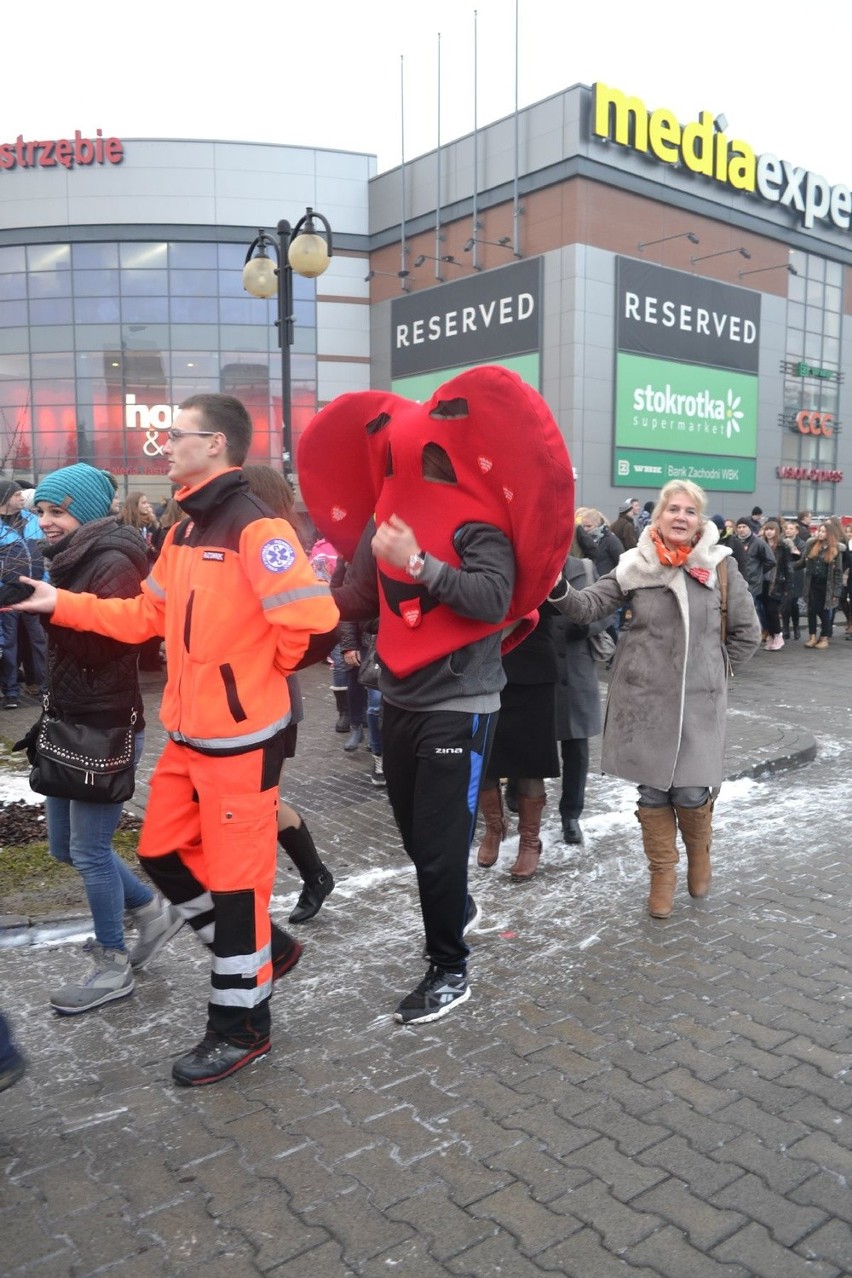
(42, 599)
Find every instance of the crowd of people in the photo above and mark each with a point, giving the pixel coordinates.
(503, 696)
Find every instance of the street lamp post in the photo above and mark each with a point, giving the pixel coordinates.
(300, 248)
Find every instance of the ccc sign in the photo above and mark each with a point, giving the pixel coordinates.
(808, 423)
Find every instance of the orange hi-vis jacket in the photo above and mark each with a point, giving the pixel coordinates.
(237, 601)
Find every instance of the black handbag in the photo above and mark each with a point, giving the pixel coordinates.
(77, 761)
(369, 671)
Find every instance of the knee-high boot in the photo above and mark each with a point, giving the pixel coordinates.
(659, 833)
(696, 828)
(341, 700)
(530, 808)
(317, 879)
(491, 807)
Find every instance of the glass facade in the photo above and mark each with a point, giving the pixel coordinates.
(100, 341)
(811, 383)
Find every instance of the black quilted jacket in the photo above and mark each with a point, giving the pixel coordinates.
(93, 679)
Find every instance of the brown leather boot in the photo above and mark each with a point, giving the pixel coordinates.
(696, 828)
(491, 807)
(659, 832)
(529, 844)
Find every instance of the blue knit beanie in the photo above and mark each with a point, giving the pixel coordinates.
(85, 492)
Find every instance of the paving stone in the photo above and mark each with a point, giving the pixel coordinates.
(827, 1192)
(787, 1222)
(434, 1216)
(831, 1242)
(546, 1177)
(762, 1257)
(703, 1224)
(781, 1172)
(583, 1254)
(819, 1148)
(620, 1226)
(669, 1254)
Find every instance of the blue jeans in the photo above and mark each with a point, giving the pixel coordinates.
(80, 834)
(9, 1054)
(374, 719)
(38, 650)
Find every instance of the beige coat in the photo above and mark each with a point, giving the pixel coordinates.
(667, 701)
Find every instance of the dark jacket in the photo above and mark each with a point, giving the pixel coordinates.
(760, 560)
(817, 569)
(625, 530)
(472, 676)
(90, 678)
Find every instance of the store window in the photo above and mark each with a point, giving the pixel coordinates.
(100, 340)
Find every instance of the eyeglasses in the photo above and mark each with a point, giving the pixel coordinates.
(174, 434)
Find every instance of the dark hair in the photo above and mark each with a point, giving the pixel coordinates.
(271, 487)
(229, 416)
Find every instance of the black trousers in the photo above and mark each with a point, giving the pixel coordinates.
(434, 763)
(575, 769)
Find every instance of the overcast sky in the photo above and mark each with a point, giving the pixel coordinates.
(329, 74)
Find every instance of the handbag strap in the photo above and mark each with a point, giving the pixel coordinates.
(722, 577)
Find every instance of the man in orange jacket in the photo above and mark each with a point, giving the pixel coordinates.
(237, 601)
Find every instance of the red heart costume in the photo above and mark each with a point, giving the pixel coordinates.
(363, 455)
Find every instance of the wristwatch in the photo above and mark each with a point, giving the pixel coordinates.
(414, 567)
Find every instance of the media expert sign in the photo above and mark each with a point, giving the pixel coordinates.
(704, 150)
(676, 315)
(65, 153)
(477, 320)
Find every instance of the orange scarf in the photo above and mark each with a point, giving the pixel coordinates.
(671, 558)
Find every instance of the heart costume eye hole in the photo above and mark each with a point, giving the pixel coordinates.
(437, 467)
(378, 423)
(450, 408)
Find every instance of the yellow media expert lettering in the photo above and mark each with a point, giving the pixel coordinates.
(704, 149)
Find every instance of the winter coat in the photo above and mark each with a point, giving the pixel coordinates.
(237, 601)
(21, 546)
(578, 698)
(665, 711)
(760, 561)
(834, 580)
(625, 530)
(610, 550)
(778, 582)
(90, 678)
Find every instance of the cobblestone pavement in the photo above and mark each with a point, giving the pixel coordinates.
(620, 1096)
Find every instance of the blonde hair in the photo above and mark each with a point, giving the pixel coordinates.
(695, 494)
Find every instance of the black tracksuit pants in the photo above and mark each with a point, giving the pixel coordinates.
(434, 763)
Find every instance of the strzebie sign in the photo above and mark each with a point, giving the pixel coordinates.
(65, 153)
(478, 320)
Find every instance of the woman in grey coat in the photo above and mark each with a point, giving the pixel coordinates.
(664, 726)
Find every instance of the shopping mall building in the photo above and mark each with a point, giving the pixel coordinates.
(680, 301)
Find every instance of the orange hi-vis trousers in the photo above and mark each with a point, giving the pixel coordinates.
(209, 844)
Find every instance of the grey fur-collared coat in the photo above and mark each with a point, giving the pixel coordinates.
(665, 712)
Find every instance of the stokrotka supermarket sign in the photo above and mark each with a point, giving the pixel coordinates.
(66, 153)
